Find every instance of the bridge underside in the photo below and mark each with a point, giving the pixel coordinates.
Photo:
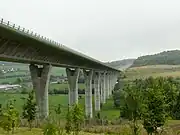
(16, 47)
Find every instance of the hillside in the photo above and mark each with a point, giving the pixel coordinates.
(121, 64)
(164, 58)
(153, 70)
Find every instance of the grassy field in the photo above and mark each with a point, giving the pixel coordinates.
(113, 129)
(54, 100)
(155, 71)
(36, 131)
(65, 86)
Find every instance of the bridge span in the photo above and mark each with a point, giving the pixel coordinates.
(20, 45)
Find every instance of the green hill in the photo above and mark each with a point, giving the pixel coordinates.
(121, 64)
(164, 58)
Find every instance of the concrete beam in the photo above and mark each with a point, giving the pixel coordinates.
(96, 79)
(40, 79)
(88, 93)
(73, 76)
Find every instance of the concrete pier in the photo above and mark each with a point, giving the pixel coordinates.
(107, 85)
(40, 80)
(88, 93)
(103, 87)
(73, 75)
(97, 91)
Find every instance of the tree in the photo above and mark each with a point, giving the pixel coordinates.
(132, 107)
(116, 98)
(155, 114)
(68, 126)
(24, 91)
(77, 118)
(29, 109)
(19, 80)
(58, 112)
(176, 109)
(10, 117)
(0, 109)
(58, 109)
(149, 100)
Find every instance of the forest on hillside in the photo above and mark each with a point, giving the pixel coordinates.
(163, 58)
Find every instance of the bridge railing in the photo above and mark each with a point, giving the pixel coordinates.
(45, 39)
(28, 32)
(34, 35)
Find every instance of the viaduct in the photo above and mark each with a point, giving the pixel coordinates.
(20, 45)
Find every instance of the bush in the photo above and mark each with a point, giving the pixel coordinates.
(10, 118)
(50, 129)
(29, 109)
(24, 91)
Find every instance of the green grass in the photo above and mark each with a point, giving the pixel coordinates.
(57, 71)
(109, 111)
(65, 86)
(34, 131)
(54, 100)
(8, 80)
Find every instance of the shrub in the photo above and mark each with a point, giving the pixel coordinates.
(10, 118)
(29, 109)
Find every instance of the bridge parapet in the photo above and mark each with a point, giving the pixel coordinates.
(28, 32)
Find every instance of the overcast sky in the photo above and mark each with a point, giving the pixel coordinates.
(103, 29)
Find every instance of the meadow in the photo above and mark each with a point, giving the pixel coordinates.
(107, 110)
(64, 86)
(152, 70)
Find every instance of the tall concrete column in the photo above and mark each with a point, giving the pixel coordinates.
(114, 80)
(110, 84)
(40, 79)
(103, 88)
(97, 91)
(107, 85)
(88, 93)
(73, 76)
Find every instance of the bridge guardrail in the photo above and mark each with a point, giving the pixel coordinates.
(47, 40)
(28, 32)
